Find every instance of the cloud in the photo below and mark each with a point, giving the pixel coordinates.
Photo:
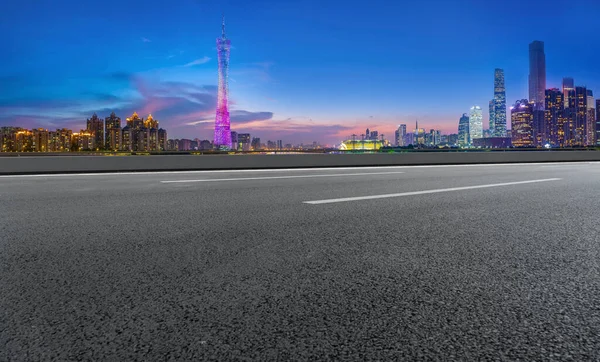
(199, 122)
(245, 116)
(199, 61)
(146, 40)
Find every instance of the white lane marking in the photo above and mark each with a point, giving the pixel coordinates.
(142, 173)
(360, 198)
(283, 177)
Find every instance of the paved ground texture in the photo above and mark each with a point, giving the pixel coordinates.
(482, 266)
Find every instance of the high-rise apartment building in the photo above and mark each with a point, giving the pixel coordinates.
(597, 121)
(499, 129)
(568, 84)
(475, 123)
(40, 140)
(162, 140)
(126, 139)
(554, 118)
(464, 138)
(60, 140)
(113, 133)
(84, 141)
(95, 126)
(24, 141)
(492, 119)
(590, 119)
(400, 135)
(581, 112)
(521, 117)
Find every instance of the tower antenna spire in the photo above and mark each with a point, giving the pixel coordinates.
(223, 25)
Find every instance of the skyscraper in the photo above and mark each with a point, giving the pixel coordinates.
(499, 104)
(475, 123)
(537, 74)
(581, 111)
(95, 126)
(162, 140)
(222, 123)
(400, 135)
(554, 119)
(537, 88)
(568, 85)
(492, 119)
(464, 139)
(112, 126)
(597, 121)
(590, 119)
(521, 117)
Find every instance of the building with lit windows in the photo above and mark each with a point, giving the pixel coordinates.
(581, 112)
(361, 145)
(40, 140)
(142, 143)
(568, 84)
(499, 116)
(590, 119)
(84, 141)
(113, 136)
(537, 88)
(475, 123)
(162, 140)
(400, 135)
(554, 118)
(24, 141)
(464, 136)
(492, 119)
(8, 138)
(60, 140)
(95, 126)
(597, 121)
(126, 141)
(521, 117)
(244, 142)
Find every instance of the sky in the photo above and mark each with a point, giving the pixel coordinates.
(300, 70)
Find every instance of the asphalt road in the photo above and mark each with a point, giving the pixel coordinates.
(456, 262)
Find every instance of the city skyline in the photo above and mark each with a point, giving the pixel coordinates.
(325, 96)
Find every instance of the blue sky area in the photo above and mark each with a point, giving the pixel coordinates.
(300, 70)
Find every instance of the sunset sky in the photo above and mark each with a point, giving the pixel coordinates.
(300, 71)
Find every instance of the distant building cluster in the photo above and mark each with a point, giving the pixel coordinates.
(141, 135)
(137, 135)
(241, 142)
(550, 118)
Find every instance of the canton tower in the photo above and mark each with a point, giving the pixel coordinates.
(222, 124)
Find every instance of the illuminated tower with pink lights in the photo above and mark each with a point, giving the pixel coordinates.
(222, 124)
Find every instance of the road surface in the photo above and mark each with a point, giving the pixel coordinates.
(438, 262)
